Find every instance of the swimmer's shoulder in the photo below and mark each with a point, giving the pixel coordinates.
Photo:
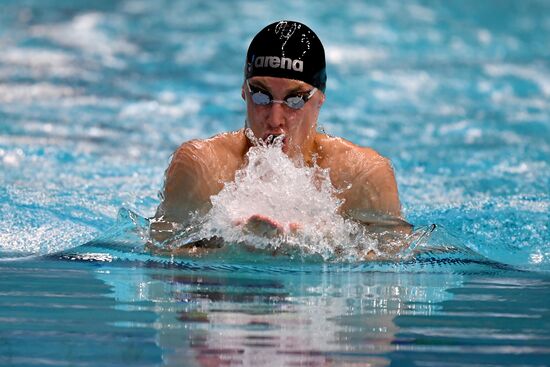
(223, 146)
(198, 169)
(337, 150)
(366, 177)
(208, 162)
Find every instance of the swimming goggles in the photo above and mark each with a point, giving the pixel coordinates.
(295, 102)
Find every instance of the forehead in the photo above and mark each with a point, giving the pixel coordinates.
(279, 84)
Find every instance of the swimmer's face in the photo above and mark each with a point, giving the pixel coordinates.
(298, 125)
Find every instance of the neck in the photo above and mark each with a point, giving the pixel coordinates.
(309, 149)
(305, 153)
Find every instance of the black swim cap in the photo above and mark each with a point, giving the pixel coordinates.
(287, 49)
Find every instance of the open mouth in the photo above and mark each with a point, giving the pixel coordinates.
(275, 139)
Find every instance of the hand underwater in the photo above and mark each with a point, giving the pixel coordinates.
(264, 226)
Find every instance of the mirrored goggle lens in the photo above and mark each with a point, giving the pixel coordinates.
(295, 102)
(261, 98)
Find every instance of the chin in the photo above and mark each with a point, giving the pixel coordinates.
(285, 148)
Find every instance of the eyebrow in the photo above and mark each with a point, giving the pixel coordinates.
(296, 90)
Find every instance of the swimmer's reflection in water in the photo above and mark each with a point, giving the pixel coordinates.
(250, 320)
(284, 89)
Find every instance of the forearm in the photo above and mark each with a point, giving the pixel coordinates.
(161, 230)
(379, 221)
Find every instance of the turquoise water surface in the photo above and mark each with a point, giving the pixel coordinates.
(95, 96)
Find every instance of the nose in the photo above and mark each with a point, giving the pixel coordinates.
(276, 117)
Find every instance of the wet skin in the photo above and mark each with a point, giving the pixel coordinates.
(298, 126)
(200, 167)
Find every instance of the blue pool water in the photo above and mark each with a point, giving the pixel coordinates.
(95, 96)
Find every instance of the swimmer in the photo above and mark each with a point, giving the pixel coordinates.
(284, 90)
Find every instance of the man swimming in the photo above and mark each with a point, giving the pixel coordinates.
(284, 90)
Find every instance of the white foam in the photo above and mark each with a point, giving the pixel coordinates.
(353, 54)
(421, 13)
(454, 127)
(83, 32)
(484, 36)
(375, 31)
(31, 233)
(531, 206)
(137, 7)
(191, 52)
(152, 108)
(473, 135)
(40, 62)
(402, 85)
(372, 12)
(10, 93)
(528, 170)
(289, 192)
(532, 73)
(539, 257)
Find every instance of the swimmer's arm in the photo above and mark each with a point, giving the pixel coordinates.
(187, 190)
(373, 198)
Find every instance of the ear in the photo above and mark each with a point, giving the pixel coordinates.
(321, 100)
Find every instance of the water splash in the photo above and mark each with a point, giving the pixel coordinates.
(432, 249)
(299, 199)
